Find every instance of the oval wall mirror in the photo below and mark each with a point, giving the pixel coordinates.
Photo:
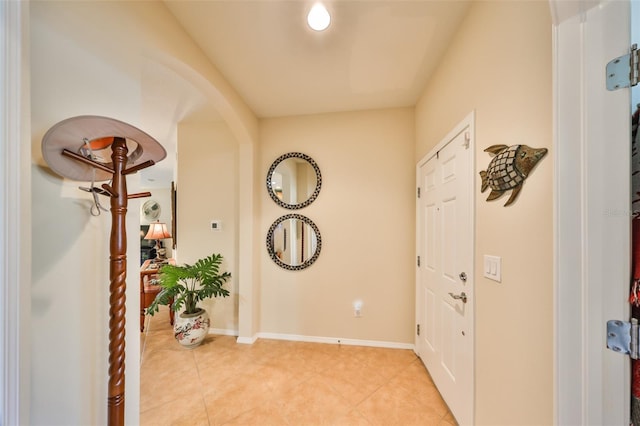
(294, 180)
(294, 242)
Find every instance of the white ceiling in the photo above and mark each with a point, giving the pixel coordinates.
(375, 54)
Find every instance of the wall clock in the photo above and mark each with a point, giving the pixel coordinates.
(151, 210)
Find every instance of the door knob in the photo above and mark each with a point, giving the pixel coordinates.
(462, 296)
(463, 277)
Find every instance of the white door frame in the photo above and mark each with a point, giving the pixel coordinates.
(591, 211)
(15, 217)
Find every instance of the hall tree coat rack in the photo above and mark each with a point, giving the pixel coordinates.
(93, 148)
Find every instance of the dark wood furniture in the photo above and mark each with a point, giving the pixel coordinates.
(149, 290)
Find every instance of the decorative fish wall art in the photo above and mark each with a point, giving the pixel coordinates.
(509, 169)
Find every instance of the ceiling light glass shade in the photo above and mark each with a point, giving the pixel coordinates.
(157, 231)
(319, 18)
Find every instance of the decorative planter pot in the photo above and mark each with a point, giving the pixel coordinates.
(191, 329)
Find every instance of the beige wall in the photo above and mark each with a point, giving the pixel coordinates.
(365, 214)
(500, 66)
(208, 190)
(70, 267)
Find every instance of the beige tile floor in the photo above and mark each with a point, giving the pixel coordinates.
(274, 382)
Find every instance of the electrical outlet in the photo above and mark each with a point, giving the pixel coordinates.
(357, 309)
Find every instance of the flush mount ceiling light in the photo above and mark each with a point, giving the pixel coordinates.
(318, 17)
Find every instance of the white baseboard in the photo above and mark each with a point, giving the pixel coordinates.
(312, 339)
(337, 341)
(247, 340)
(227, 332)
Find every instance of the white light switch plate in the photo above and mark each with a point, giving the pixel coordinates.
(493, 267)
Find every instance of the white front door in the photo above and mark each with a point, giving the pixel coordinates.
(444, 295)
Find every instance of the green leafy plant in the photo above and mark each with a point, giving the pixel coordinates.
(189, 284)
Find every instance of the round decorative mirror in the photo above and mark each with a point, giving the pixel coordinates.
(294, 242)
(294, 180)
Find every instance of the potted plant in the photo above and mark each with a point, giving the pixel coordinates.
(186, 285)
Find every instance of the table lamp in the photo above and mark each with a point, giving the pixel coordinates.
(158, 231)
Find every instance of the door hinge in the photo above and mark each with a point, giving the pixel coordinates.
(418, 329)
(418, 261)
(418, 192)
(623, 71)
(622, 337)
(467, 139)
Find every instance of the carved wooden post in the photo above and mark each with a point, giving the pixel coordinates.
(64, 148)
(118, 285)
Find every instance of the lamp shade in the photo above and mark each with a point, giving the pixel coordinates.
(157, 231)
